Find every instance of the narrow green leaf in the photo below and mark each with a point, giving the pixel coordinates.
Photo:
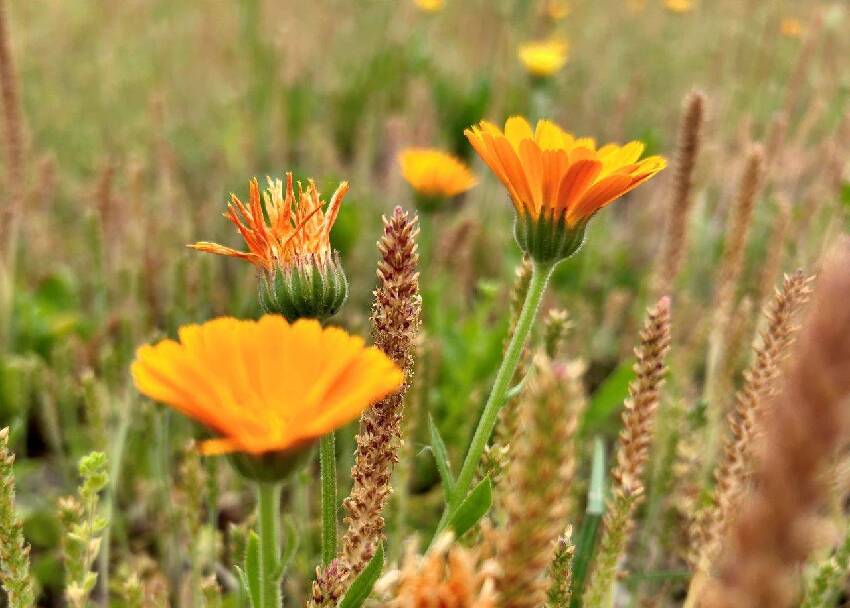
(363, 584)
(441, 456)
(290, 546)
(245, 587)
(252, 568)
(608, 398)
(587, 536)
(473, 508)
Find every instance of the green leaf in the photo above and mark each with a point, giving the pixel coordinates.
(289, 548)
(363, 584)
(608, 398)
(441, 456)
(252, 569)
(473, 508)
(587, 536)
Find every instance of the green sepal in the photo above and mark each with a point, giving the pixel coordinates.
(549, 238)
(272, 466)
(311, 287)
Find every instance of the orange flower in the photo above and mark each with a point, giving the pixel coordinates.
(679, 6)
(267, 385)
(549, 173)
(433, 173)
(295, 228)
(791, 27)
(543, 58)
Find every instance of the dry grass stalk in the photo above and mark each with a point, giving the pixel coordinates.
(679, 205)
(556, 326)
(775, 250)
(14, 141)
(632, 452)
(764, 547)
(540, 473)
(728, 276)
(395, 325)
(746, 421)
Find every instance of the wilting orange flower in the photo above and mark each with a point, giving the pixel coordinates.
(433, 173)
(429, 6)
(448, 575)
(543, 58)
(294, 228)
(679, 6)
(267, 385)
(791, 28)
(549, 172)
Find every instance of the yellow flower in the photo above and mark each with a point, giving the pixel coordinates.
(265, 386)
(435, 174)
(636, 6)
(679, 6)
(430, 6)
(295, 227)
(791, 28)
(549, 172)
(557, 10)
(543, 58)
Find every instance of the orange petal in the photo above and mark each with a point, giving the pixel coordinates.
(576, 181)
(599, 195)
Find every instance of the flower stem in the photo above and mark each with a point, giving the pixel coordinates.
(540, 275)
(268, 518)
(327, 461)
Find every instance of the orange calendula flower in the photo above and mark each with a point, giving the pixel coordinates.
(557, 10)
(288, 239)
(543, 58)
(294, 228)
(435, 174)
(429, 6)
(679, 6)
(791, 28)
(557, 181)
(265, 386)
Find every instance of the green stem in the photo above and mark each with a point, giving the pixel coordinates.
(540, 275)
(268, 528)
(327, 461)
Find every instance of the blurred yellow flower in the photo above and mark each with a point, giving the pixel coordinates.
(679, 6)
(433, 173)
(543, 58)
(636, 6)
(283, 229)
(791, 28)
(267, 385)
(430, 6)
(549, 172)
(557, 10)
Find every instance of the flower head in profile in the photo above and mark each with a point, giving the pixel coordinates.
(557, 181)
(543, 58)
(429, 6)
(679, 6)
(435, 175)
(791, 27)
(288, 239)
(265, 386)
(295, 228)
